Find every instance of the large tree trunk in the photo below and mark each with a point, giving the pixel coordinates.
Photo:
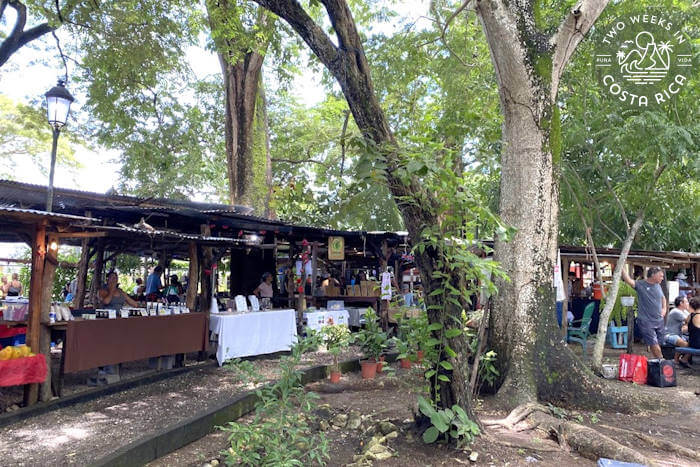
(534, 362)
(241, 54)
(241, 88)
(528, 202)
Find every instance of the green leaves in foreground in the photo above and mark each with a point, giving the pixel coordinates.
(453, 423)
(281, 431)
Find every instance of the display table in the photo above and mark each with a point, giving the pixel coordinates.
(349, 299)
(318, 319)
(254, 333)
(25, 370)
(92, 343)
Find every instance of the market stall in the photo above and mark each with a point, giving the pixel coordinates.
(252, 333)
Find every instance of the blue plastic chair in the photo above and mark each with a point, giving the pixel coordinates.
(613, 332)
(581, 332)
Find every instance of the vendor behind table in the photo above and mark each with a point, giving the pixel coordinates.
(264, 291)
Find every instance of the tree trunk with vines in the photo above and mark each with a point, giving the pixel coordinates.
(348, 64)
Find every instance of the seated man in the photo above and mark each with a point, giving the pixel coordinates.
(676, 326)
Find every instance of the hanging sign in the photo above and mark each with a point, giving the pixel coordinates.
(336, 248)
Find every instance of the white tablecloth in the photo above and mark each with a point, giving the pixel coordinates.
(255, 333)
(318, 319)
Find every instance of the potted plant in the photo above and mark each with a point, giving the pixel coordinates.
(419, 334)
(372, 341)
(337, 339)
(405, 352)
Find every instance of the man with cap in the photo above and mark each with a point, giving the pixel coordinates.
(681, 277)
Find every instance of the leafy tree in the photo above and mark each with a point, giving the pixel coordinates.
(618, 181)
(25, 133)
(399, 168)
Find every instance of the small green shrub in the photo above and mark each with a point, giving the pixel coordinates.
(337, 338)
(450, 423)
(280, 432)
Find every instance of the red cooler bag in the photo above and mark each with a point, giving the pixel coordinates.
(633, 368)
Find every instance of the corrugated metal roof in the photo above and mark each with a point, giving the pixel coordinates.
(11, 191)
(43, 214)
(168, 234)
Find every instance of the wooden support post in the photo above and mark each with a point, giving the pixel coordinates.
(97, 275)
(50, 263)
(193, 277)
(31, 393)
(79, 299)
(290, 278)
(314, 270)
(206, 272)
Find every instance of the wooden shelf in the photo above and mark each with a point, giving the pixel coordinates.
(12, 323)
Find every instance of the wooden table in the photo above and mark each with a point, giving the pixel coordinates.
(92, 343)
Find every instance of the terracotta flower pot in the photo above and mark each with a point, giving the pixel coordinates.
(419, 356)
(335, 377)
(369, 369)
(380, 364)
(405, 363)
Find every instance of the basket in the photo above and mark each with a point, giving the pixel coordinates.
(609, 371)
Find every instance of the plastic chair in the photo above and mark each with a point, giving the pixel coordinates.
(581, 332)
(613, 333)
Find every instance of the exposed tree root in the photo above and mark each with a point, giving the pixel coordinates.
(585, 441)
(528, 446)
(518, 414)
(659, 443)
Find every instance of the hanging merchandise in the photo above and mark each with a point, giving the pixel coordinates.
(214, 306)
(386, 286)
(558, 282)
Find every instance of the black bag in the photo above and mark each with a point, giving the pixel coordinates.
(661, 373)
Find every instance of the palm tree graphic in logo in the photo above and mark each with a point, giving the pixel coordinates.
(644, 61)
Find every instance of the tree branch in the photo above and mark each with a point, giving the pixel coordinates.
(571, 32)
(342, 144)
(300, 161)
(305, 26)
(443, 31)
(18, 38)
(60, 51)
(612, 192)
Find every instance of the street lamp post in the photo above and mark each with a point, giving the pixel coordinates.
(58, 101)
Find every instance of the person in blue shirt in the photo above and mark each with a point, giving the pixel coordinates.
(153, 284)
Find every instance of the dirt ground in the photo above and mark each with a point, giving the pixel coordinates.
(393, 399)
(86, 432)
(83, 433)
